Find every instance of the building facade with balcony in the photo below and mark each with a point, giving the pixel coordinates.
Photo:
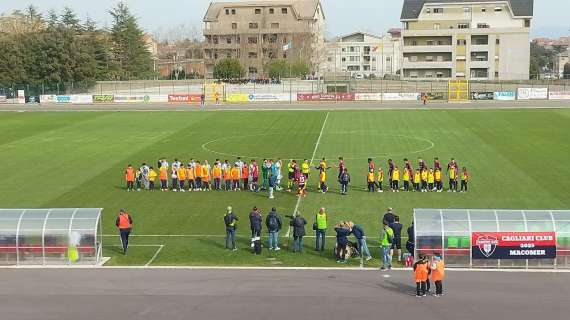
(365, 55)
(471, 40)
(255, 32)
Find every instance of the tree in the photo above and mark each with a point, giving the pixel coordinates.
(567, 71)
(129, 47)
(52, 19)
(228, 69)
(70, 21)
(282, 68)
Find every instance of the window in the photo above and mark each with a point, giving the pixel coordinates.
(253, 25)
(252, 40)
(343, 49)
(229, 40)
(496, 74)
(463, 26)
(388, 59)
(430, 43)
(527, 23)
(227, 11)
(234, 26)
(428, 75)
(343, 59)
(413, 58)
(252, 55)
(271, 11)
(482, 26)
(498, 9)
(429, 58)
(498, 41)
(284, 10)
(438, 10)
(257, 11)
(329, 59)
(439, 74)
(275, 26)
(466, 9)
(483, 10)
(238, 39)
(461, 42)
(440, 43)
(428, 10)
(252, 70)
(233, 11)
(436, 26)
(414, 43)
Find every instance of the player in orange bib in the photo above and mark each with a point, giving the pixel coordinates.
(182, 178)
(130, 177)
(235, 175)
(191, 176)
(217, 174)
(198, 176)
(206, 176)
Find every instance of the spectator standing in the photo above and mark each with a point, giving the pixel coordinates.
(321, 221)
(360, 236)
(125, 224)
(298, 223)
(397, 243)
(344, 180)
(255, 221)
(341, 242)
(386, 239)
(230, 220)
(274, 224)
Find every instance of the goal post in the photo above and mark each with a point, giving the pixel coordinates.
(213, 89)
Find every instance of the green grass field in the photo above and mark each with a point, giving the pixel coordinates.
(517, 159)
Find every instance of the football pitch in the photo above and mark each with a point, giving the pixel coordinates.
(518, 159)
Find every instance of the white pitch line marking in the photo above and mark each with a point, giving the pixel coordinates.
(154, 256)
(310, 165)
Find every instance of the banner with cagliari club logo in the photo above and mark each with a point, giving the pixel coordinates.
(513, 245)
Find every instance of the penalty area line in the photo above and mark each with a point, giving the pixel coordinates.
(155, 255)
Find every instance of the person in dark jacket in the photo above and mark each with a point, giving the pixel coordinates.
(360, 236)
(298, 223)
(255, 221)
(389, 217)
(397, 242)
(410, 244)
(341, 243)
(344, 180)
(273, 223)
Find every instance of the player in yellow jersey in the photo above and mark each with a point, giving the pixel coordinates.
(380, 180)
(395, 179)
(431, 180)
(406, 179)
(424, 177)
(323, 181)
(438, 178)
(371, 180)
(417, 180)
(152, 175)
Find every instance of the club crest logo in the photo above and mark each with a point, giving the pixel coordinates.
(487, 245)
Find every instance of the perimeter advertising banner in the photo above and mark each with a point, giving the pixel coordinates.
(532, 93)
(103, 98)
(559, 95)
(513, 245)
(325, 97)
(482, 96)
(505, 95)
(184, 98)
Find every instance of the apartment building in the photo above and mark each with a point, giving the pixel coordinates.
(365, 55)
(461, 39)
(255, 32)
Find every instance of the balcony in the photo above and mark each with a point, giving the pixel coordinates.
(479, 64)
(479, 47)
(428, 64)
(435, 48)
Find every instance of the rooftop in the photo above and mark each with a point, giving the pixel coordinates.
(412, 8)
(303, 9)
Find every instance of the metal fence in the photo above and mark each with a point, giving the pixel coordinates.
(284, 86)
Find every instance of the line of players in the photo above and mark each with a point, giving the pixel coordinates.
(422, 179)
(201, 176)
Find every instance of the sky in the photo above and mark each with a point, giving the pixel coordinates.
(343, 16)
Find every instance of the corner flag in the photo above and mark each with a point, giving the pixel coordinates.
(288, 46)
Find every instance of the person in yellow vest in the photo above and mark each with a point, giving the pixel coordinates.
(424, 176)
(291, 174)
(235, 174)
(464, 179)
(305, 169)
(320, 229)
(431, 180)
(396, 179)
(380, 180)
(217, 174)
(438, 274)
(406, 179)
(371, 180)
(206, 175)
(438, 178)
(151, 178)
(417, 180)
(190, 176)
(323, 181)
(198, 176)
(163, 172)
(182, 178)
(452, 179)
(124, 223)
